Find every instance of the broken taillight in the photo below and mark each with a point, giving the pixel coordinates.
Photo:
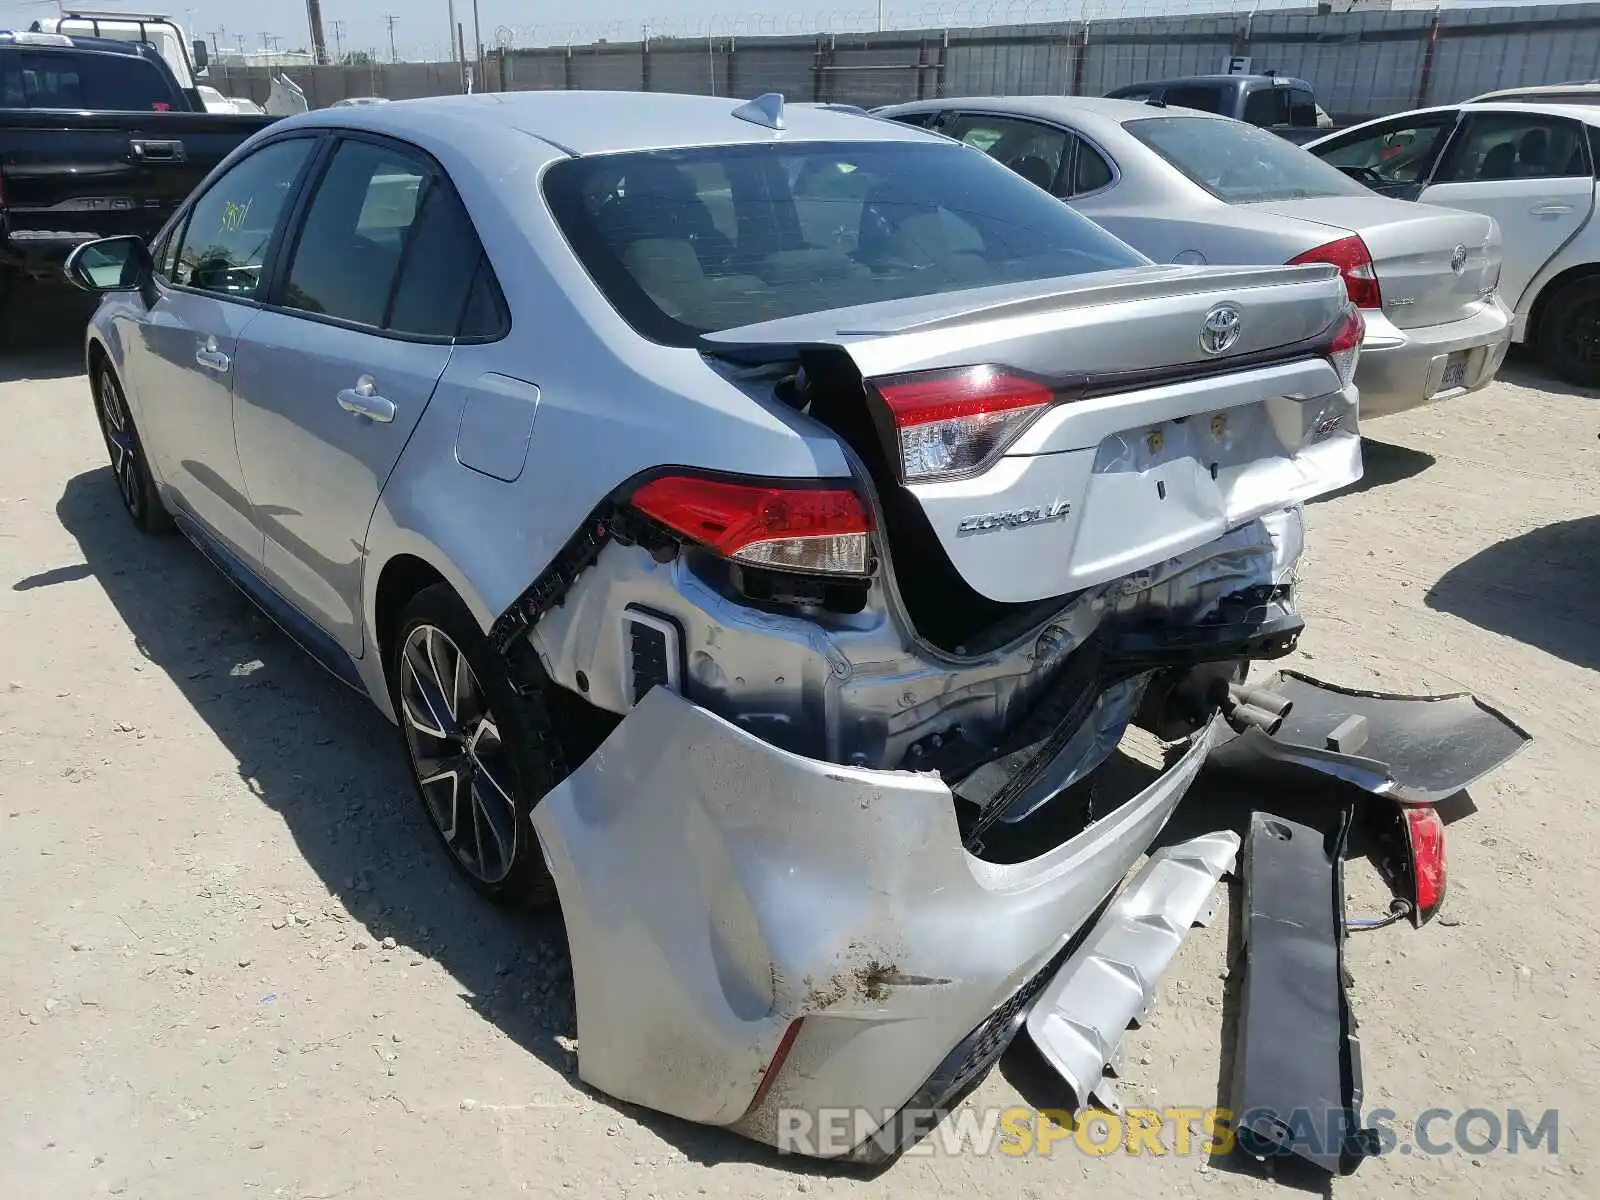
(786, 527)
(954, 423)
(1344, 344)
(1354, 260)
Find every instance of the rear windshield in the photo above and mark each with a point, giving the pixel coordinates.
(1201, 96)
(55, 79)
(1240, 163)
(688, 242)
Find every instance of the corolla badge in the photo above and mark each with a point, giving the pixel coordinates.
(1014, 518)
(1458, 259)
(1220, 330)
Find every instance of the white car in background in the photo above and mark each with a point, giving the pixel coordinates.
(1185, 186)
(1529, 164)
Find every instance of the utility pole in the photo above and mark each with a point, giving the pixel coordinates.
(217, 34)
(454, 41)
(338, 40)
(319, 43)
(391, 19)
(477, 35)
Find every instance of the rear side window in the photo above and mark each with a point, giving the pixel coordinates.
(348, 256)
(441, 263)
(1240, 163)
(1032, 150)
(1510, 145)
(814, 227)
(111, 82)
(1091, 171)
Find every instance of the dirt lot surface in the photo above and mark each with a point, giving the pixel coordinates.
(233, 964)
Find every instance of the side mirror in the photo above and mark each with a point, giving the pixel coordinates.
(115, 264)
(202, 54)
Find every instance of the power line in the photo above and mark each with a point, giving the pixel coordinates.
(338, 39)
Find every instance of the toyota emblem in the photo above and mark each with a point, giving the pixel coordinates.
(1458, 259)
(1220, 329)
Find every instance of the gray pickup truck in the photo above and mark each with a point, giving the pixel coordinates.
(1285, 106)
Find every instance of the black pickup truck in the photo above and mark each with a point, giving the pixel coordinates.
(97, 138)
(1284, 106)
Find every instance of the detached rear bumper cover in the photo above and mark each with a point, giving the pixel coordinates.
(716, 889)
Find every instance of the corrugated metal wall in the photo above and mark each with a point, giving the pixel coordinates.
(1361, 64)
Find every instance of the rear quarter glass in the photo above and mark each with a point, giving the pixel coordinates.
(689, 242)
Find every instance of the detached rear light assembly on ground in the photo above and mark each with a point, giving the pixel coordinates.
(1354, 260)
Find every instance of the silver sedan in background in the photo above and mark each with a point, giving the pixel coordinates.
(1184, 186)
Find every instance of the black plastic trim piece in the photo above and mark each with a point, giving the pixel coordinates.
(1297, 1064)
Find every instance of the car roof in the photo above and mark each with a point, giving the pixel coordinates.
(33, 40)
(1102, 109)
(1539, 89)
(1215, 77)
(582, 122)
(1588, 113)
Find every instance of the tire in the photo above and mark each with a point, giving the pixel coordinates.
(140, 498)
(482, 763)
(1569, 332)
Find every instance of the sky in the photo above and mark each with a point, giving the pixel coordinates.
(421, 29)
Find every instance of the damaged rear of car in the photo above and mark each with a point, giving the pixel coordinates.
(850, 754)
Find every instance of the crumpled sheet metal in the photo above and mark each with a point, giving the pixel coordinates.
(715, 889)
(1082, 1015)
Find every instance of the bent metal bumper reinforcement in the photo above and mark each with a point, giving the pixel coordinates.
(1297, 1064)
(1413, 749)
(1081, 1016)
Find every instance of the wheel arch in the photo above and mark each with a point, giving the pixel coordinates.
(401, 563)
(402, 577)
(1551, 288)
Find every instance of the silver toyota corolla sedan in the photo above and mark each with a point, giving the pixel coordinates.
(1188, 186)
(811, 553)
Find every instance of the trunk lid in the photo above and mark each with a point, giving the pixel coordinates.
(1113, 475)
(1434, 265)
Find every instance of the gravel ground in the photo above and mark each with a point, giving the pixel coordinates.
(233, 963)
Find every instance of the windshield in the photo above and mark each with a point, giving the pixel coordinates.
(1240, 163)
(687, 242)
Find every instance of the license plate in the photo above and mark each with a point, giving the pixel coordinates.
(1455, 372)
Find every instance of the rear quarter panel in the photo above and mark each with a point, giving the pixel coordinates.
(610, 403)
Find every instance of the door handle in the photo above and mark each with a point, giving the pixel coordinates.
(212, 359)
(364, 401)
(1552, 209)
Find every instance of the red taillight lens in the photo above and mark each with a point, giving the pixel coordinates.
(815, 529)
(1351, 256)
(1344, 344)
(954, 422)
(1425, 837)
